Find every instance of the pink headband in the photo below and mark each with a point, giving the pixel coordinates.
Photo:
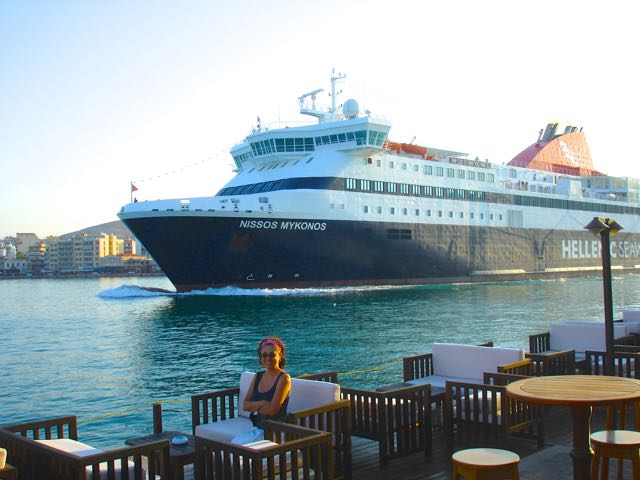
(274, 342)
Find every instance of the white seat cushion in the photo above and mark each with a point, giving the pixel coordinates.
(225, 430)
(439, 381)
(245, 382)
(71, 446)
(311, 393)
(265, 445)
(471, 361)
(582, 336)
(83, 450)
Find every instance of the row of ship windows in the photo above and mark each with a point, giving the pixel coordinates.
(404, 189)
(394, 188)
(441, 171)
(309, 144)
(429, 213)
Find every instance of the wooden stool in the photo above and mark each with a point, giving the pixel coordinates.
(622, 444)
(485, 464)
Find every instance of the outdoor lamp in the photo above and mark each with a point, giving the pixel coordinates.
(605, 227)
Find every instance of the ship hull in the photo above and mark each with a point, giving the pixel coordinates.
(212, 252)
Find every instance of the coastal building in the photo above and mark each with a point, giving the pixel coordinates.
(129, 246)
(24, 241)
(35, 256)
(125, 263)
(13, 266)
(85, 252)
(8, 250)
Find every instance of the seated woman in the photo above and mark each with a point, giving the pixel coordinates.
(268, 394)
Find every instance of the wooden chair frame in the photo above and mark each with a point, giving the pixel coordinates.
(399, 420)
(473, 415)
(298, 449)
(36, 461)
(334, 417)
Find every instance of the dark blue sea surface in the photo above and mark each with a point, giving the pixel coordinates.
(104, 349)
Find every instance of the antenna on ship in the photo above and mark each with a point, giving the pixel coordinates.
(334, 79)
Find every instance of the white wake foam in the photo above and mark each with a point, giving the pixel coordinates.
(133, 291)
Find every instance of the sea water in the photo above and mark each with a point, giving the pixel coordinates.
(104, 349)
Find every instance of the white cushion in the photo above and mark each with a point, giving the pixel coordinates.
(261, 445)
(304, 394)
(245, 382)
(224, 430)
(582, 336)
(311, 393)
(83, 450)
(71, 446)
(265, 445)
(471, 361)
(439, 381)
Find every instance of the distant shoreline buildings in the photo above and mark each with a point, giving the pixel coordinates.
(79, 253)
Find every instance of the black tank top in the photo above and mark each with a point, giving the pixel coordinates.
(268, 395)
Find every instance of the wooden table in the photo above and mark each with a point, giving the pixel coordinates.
(581, 393)
(179, 455)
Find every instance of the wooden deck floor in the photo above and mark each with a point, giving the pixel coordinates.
(552, 462)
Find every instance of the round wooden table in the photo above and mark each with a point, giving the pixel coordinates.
(581, 393)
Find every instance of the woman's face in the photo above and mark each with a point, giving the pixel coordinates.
(269, 356)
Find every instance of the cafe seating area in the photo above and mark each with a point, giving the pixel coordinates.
(450, 399)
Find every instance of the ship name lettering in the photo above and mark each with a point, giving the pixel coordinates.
(577, 249)
(259, 224)
(321, 226)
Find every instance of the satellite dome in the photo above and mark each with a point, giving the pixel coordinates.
(350, 109)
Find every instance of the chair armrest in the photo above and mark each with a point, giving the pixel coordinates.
(375, 412)
(625, 364)
(331, 377)
(498, 378)
(157, 454)
(521, 367)
(417, 366)
(540, 342)
(315, 417)
(213, 406)
(64, 427)
(631, 339)
(333, 417)
(553, 363)
(626, 348)
(295, 448)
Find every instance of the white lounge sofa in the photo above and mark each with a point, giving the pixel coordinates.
(577, 336)
(218, 416)
(458, 363)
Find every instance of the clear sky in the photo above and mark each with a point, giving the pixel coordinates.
(96, 94)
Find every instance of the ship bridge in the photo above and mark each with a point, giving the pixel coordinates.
(365, 134)
(337, 129)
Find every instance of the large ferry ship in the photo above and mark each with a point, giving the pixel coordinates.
(336, 203)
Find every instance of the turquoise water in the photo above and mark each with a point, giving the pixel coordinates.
(104, 349)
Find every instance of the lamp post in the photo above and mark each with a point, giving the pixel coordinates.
(605, 227)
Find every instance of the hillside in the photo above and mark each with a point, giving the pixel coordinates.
(116, 228)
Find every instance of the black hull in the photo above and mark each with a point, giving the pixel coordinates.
(211, 252)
